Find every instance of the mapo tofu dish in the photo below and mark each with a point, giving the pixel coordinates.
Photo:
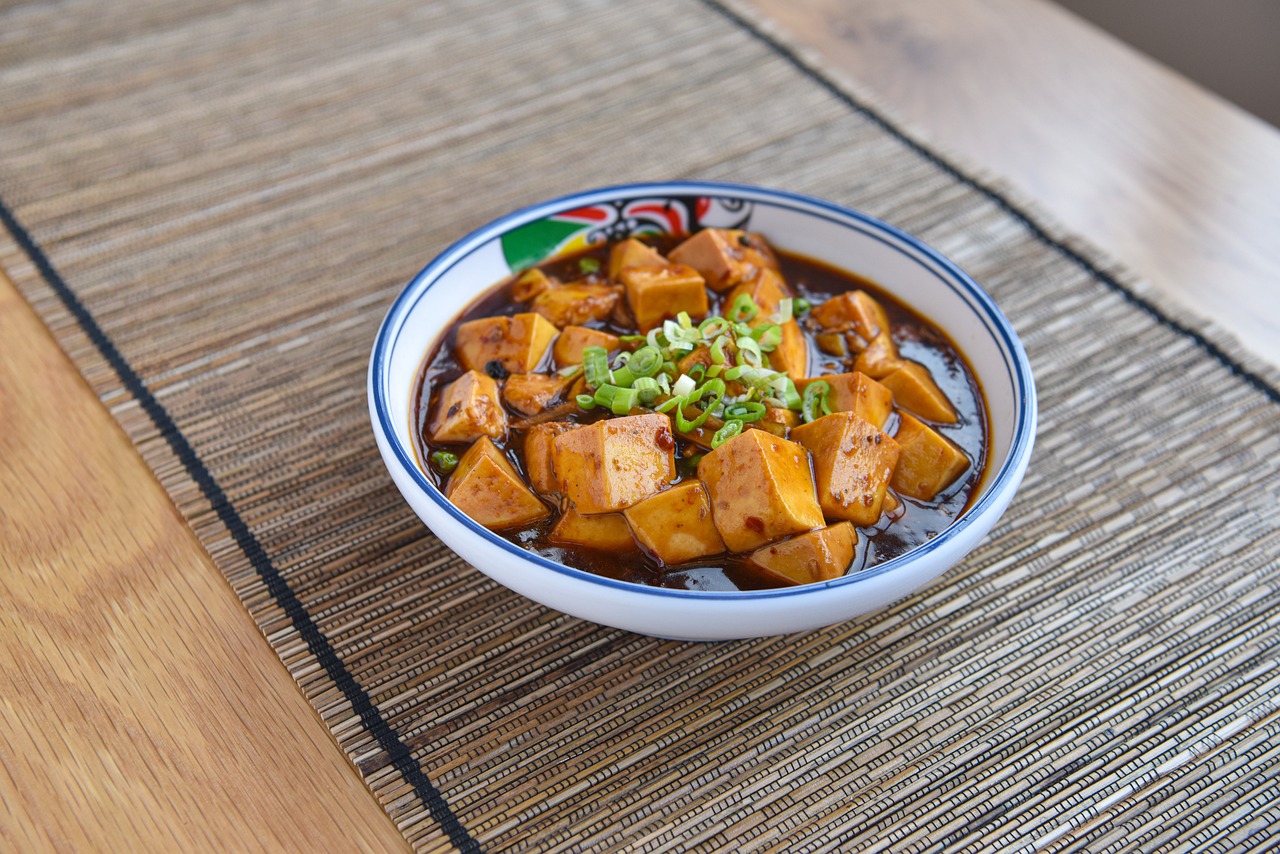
(701, 412)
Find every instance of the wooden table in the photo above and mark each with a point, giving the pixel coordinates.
(110, 738)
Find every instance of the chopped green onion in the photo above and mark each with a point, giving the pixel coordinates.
(625, 401)
(570, 371)
(595, 363)
(784, 312)
(718, 356)
(749, 352)
(669, 404)
(586, 401)
(815, 400)
(444, 461)
(790, 395)
(800, 306)
(619, 400)
(647, 387)
(697, 371)
(769, 335)
(744, 412)
(728, 431)
(646, 361)
(683, 386)
(715, 388)
(713, 326)
(623, 376)
(744, 308)
(684, 320)
(631, 339)
(589, 265)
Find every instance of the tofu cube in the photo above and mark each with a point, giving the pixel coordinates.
(468, 408)
(516, 343)
(724, 257)
(607, 532)
(761, 490)
(675, 526)
(819, 555)
(632, 253)
(853, 310)
(574, 339)
(609, 465)
(779, 415)
(929, 462)
(853, 463)
(656, 294)
(487, 488)
(879, 359)
(530, 394)
(914, 389)
(767, 291)
(530, 283)
(538, 458)
(857, 393)
(576, 304)
(791, 356)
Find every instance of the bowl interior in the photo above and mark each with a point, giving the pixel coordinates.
(898, 263)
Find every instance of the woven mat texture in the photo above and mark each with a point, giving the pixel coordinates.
(213, 203)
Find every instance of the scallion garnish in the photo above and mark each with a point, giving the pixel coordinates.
(444, 461)
(595, 364)
(814, 404)
(725, 433)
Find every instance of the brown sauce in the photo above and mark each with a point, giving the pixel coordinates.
(918, 340)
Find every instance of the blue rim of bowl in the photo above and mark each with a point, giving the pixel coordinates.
(1015, 358)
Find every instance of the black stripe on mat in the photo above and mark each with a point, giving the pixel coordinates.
(1158, 314)
(317, 643)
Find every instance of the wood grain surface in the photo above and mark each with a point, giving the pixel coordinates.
(140, 709)
(1174, 182)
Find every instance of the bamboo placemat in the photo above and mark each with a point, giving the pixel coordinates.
(212, 205)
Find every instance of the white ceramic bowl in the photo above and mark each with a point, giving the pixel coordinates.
(844, 238)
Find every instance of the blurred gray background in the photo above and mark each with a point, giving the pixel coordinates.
(1231, 47)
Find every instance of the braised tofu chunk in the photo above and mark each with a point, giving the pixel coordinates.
(530, 283)
(530, 394)
(857, 393)
(468, 409)
(761, 490)
(609, 465)
(879, 359)
(855, 311)
(574, 339)
(675, 526)
(853, 463)
(516, 343)
(914, 389)
(486, 487)
(929, 462)
(792, 355)
(819, 555)
(656, 294)
(607, 532)
(724, 257)
(779, 415)
(632, 253)
(766, 289)
(577, 303)
(538, 458)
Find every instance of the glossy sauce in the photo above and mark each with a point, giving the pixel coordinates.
(917, 340)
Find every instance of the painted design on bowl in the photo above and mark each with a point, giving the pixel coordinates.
(576, 229)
